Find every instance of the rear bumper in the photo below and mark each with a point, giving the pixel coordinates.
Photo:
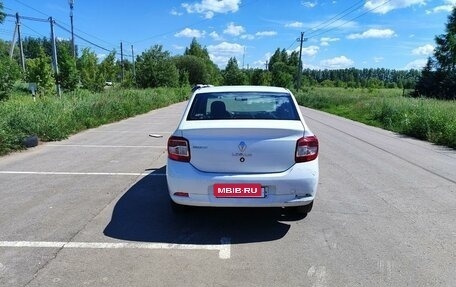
(296, 186)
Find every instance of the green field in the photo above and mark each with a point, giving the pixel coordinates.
(52, 118)
(427, 119)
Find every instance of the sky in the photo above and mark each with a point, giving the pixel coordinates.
(394, 34)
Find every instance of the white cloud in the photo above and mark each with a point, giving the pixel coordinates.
(261, 64)
(248, 37)
(310, 51)
(190, 33)
(177, 47)
(373, 33)
(311, 66)
(341, 62)
(326, 40)
(101, 57)
(221, 53)
(215, 36)
(425, 50)
(383, 6)
(309, 4)
(417, 64)
(266, 33)
(447, 7)
(226, 48)
(174, 12)
(378, 59)
(209, 7)
(295, 25)
(234, 30)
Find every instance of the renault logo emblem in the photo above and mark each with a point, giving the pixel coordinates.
(242, 146)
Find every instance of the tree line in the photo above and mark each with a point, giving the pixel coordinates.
(156, 67)
(438, 78)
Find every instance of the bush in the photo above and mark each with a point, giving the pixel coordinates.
(53, 119)
(427, 119)
(9, 74)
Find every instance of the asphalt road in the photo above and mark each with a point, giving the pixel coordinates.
(93, 210)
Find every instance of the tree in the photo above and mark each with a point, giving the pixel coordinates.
(68, 72)
(196, 50)
(438, 78)
(2, 15)
(192, 70)
(39, 71)
(108, 67)
(233, 75)
(261, 77)
(155, 68)
(91, 78)
(282, 75)
(9, 74)
(211, 71)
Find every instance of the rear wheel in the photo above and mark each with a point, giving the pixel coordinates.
(300, 210)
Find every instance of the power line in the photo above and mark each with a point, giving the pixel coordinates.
(61, 27)
(83, 39)
(30, 7)
(348, 21)
(87, 34)
(337, 17)
(33, 30)
(291, 45)
(28, 18)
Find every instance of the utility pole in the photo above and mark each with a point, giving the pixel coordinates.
(54, 58)
(243, 58)
(19, 38)
(266, 65)
(122, 61)
(71, 2)
(21, 49)
(133, 61)
(13, 42)
(302, 39)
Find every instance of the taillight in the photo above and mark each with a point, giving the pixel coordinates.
(178, 149)
(306, 149)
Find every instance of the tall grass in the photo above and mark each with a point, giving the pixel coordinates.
(53, 118)
(426, 119)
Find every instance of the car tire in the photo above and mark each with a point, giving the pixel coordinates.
(300, 210)
(304, 209)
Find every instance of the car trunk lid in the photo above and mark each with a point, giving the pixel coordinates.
(243, 146)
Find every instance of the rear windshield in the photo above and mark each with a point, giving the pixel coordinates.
(243, 105)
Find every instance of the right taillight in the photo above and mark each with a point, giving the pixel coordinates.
(306, 149)
(178, 149)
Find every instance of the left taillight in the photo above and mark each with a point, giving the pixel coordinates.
(306, 149)
(178, 149)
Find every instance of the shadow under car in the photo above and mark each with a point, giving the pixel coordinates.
(144, 213)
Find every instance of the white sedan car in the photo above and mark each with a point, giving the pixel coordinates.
(243, 146)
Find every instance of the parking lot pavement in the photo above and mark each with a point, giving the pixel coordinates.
(93, 210)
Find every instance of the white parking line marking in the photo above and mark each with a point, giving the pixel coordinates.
(224, 248)
(320, 275)
(107, 146)
(82, 173)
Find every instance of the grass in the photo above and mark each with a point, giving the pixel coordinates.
(52, 118)
(427, 119)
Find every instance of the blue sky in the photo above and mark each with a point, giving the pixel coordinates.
(394, 34)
